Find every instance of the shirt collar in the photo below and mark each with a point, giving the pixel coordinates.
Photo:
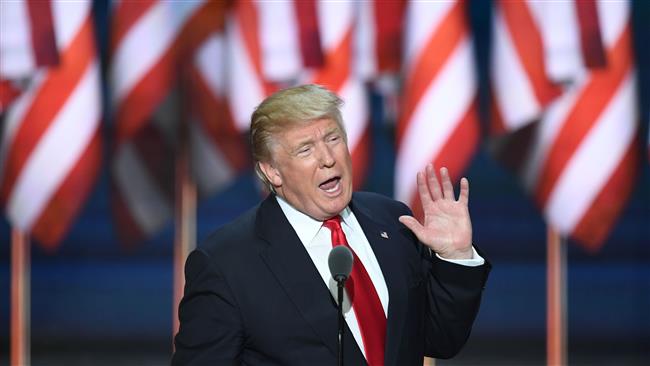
(304, 225)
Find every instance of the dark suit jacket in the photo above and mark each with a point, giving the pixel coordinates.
(253, 295)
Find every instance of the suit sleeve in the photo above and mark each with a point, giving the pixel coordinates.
(453, 295)
(211, 330)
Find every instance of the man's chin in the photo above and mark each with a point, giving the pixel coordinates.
(337, 204)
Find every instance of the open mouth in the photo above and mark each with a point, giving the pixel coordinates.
(331, 185)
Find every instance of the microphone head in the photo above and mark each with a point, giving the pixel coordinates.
(340, 262)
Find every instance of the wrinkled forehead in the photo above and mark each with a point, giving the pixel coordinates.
(309, 129)
(293, 135)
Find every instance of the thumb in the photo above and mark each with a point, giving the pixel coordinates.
(413, 225)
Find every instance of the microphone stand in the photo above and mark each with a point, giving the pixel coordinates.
(340, 261)
(340, 284)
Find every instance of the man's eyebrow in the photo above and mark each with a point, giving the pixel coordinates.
(332, 131)
(303, 143)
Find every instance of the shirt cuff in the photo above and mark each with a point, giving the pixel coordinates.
(475, 261)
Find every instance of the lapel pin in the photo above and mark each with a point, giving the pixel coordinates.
(384, 234)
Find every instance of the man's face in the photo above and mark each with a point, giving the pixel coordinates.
(311, 168)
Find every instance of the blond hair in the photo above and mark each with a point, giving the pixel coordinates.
(284, 109)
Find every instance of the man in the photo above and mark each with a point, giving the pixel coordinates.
(258, 290)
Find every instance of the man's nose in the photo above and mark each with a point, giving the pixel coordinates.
(326, 157)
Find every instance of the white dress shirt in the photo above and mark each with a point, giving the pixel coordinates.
(317, 240)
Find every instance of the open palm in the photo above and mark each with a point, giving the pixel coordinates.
(447, 227)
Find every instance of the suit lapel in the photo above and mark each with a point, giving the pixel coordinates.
(387, 253)
(290, 263)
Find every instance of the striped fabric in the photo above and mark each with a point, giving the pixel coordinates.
(144, 44)
(9, 92)
(379, 37)
(264, 46)
(246, 84)
(579, 161)
(167, 69)
(27, 43)
(438, 120)
(50, 151)
(155, 34)
(27, 38)
(521, 88)
(218, 151)
(337, 28)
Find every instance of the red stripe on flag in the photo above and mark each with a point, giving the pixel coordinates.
(530, 49)
(246, 14)
(148, 93)
(126, 15)
(388, 42)
(591, 41)
(360, 157)
(59, 213)
(8, 93)
(216, 119)
(52, 96)
(436, 53)
(595, 97)
(310, 44)
(457, 151)
(599, 219)
(144, 98)
(42, 31)
(337, 65)
(207, 19)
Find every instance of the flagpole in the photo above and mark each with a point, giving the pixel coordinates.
(556, 299)
(185, 211)
(20, 299)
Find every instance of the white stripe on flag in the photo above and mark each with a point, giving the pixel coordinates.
(616, 129)
(57, 152)
(15, 115)
(513, 90)
(245, 89)
(436, 116)
(278, 35)
(16, 49)
(130, 62)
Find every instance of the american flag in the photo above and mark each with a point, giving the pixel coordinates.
(579, 160)
(51, 149)
(438, 121)
(167, 75)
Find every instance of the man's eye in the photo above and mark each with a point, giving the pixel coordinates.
(334, 138)
(304, 150)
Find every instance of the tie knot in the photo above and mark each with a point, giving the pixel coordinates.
(338, 236)
(333, 223)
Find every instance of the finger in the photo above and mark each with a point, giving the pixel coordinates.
(432, 181)
(425, 196)
(464, 191)
(447, 187)
(412, 224)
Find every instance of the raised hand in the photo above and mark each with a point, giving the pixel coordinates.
(447, 227)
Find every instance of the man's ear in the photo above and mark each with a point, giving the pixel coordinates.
(271, 173)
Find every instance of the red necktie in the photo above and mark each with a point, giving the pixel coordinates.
(364, 298)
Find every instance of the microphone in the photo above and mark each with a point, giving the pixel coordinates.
(340, 262)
